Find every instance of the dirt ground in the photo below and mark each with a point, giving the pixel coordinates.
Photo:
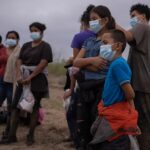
(49, 135)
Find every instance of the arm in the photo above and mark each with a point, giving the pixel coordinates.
(92, 63)
(40, 67)
(18, 71)
(128, 34)
(3, 58)
(75, 52)
(128, 92)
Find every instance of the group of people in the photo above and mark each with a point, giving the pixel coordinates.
(15, 61)
(109, 97)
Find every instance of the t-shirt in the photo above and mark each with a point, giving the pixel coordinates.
(119, 73)
(92, 47)
(79, 38)
(139, 58)
(31, 56)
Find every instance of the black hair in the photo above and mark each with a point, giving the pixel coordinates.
(103, 12)
(118, 36)
(86, 14)
(142, 9)
(0, 39)
(14, 32)
(38, 25)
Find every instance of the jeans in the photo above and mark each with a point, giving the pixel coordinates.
(71, 119)
(6, 92)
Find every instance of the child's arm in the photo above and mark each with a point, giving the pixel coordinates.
(128, 92)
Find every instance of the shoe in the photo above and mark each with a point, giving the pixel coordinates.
(9, 140)
(30, 140)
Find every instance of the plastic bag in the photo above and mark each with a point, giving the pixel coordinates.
(134, 143)
(27, 100)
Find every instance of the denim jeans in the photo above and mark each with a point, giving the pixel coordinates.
(6, 92)
(71, 119)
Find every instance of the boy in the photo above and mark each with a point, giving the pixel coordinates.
(117, 116)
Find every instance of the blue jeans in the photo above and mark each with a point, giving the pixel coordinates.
(6, 92)
(71, 119)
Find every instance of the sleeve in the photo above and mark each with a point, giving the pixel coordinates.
(3, 56)
(138, 32)
(21, 52)
(47, 53)
(85, 44)
(121, 73)
(76, 42)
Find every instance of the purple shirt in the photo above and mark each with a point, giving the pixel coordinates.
(80, 38)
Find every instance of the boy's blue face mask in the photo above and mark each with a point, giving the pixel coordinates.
(134, 21)
(95, 26)
(106, 52)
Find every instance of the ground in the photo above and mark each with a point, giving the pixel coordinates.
(49, 135)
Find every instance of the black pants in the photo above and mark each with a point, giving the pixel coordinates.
(86, 114)
(15, 112)
(122, 143)
(142, 105)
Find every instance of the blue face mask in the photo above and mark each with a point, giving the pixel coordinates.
(11, 42)
(35, 36)
(95, 26)
(134, 21)
(106, 52)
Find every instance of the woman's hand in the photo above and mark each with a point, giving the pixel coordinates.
(26, 81)
(99, 62)
(67, 94)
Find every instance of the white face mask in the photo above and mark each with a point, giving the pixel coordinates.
(134, 21)
(35, 36)
(106, 52)
(95, 26)
(11, 42)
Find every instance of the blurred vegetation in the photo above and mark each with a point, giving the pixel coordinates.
(57, 68)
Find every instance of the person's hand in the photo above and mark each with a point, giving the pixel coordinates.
(27, 80)
(67, 94)
(99, 62)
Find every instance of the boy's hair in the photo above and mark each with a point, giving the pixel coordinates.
(142, 9)
(119, 36)
(0, 39)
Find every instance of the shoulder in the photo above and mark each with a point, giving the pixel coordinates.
(46, 45)
(27, 44)
(91, 39)
(120, 63)
(140, 27)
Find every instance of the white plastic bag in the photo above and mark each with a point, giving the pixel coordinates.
(134, 143)
(27, 100)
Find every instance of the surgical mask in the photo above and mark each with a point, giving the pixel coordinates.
(106, 52)
(11, 42)
(134, 21)
(35, 36)
(95, 26)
